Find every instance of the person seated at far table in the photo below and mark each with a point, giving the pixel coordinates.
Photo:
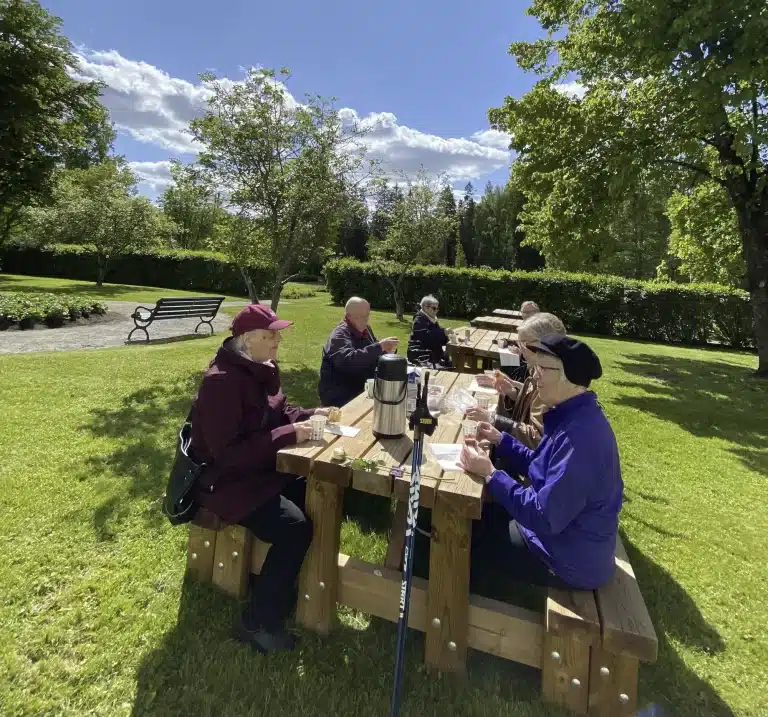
(240, 420)
(426, 346)
(528, 309)
(520, 410)
(350, 355)
(561, 530)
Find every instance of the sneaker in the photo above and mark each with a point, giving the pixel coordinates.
(274, 640)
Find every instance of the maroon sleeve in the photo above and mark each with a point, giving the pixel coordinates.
(220, 413)
(294, 414)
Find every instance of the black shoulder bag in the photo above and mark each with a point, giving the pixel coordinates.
(178, 505)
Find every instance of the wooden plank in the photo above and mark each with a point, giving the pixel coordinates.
(201, 546)
(626, 624)
(507, 313)
(298, 459)
(486, 344)
(319, 575)
(232, 560)
(573, 611)
(394, 559)
(325, 468)
(259, 550)
(612, 684)
(565, 671)
(497, 628)
(394, 452)
(448, 592)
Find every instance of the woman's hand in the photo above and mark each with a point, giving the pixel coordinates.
(486, 432)
(505, 385)
(474, 460)
(303, 431)
(485, 381)
(322, 412)
(479, 414)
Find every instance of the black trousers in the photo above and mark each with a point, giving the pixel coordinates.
(281, 522)
(500, 553)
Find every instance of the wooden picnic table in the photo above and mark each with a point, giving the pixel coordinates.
(497, 323)
(508, 313)
(480, 351)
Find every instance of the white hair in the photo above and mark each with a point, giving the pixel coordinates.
(429, 299)
(540, 325)
(354, 302)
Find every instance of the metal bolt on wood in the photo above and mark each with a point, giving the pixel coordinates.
(604, 671)
(556, 656)
(452, 646)
(221, 565)
(207, 544)
(576, 682)
(435, 622)
(194, 556)
(234, 553)
(623, 698)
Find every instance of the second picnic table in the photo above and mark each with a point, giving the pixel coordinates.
(496, 323)
(480, 351)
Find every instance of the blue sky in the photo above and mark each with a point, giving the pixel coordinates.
(422, 74)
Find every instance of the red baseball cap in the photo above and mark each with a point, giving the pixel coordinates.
(257, 316)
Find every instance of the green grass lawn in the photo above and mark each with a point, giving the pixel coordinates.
(97, 618)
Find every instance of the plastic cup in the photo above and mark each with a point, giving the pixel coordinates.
(318, 424)
(483, 401)
(470, 428)
(467, 333)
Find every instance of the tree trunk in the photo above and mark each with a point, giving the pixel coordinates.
(101, 270)
(399, 299)
(277, 288)
(754, 233)
(249, 285)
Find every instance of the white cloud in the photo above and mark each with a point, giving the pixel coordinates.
(154, 175)
(149, 105)
(574, 89)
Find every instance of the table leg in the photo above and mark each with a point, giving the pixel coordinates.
(318, 584)
(448, 592)
(565, 671)
(200, 549)
(232, 560)
(612, 684)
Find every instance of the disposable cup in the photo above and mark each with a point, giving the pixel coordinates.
(318, 424)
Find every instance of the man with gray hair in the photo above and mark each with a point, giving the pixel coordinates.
(426, 347)
(351, 354)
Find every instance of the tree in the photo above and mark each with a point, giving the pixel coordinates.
(285, 168)
(385, 198)
(416, 235)
(665, 85)
(705, 235)
(446, 206)
(353, 231)
(100, 206)
(193, 203)
(466, 213)
(44, 112)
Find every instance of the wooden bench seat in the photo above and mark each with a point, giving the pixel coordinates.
(588, 644)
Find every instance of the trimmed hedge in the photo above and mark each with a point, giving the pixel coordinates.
(587, 303)
(170, 269)
(29, 308)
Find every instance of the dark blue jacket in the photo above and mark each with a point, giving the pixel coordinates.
(569, 515)
(349, 360)
(427, 340)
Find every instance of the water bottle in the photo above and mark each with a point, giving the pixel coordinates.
(414, 381)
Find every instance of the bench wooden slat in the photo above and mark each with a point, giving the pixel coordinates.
(626, 624)
(167, 300)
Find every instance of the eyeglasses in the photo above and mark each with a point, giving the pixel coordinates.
(432, 306)
(542, 369)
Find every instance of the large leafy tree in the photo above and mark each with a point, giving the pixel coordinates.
(466, 229)
(446, 206)
(285, 168)
(47, 118)
(666, 85)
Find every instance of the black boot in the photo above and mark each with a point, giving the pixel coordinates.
(263, 639)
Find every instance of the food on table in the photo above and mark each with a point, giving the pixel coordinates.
(334, 415)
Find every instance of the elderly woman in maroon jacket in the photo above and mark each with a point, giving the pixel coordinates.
(240, 419)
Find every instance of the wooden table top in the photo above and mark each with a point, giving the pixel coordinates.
(508, 313)
(498, 323)
(483, 342)
(464, 491)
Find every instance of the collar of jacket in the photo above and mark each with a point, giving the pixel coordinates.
(564, 411)
(265, 373)
(364, 334)
(431, 318)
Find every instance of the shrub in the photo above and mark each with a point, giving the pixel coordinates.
(27, 309)
(170, 269)
(587, 303)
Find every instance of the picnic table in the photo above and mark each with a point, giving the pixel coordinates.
(497, 323)
(587, 644)
(480, 351)
(508, 313)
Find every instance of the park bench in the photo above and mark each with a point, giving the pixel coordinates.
(204, 308)
(587, 644)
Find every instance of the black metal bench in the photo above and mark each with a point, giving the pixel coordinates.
(204, 308)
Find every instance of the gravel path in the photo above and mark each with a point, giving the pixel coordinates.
(108, 330)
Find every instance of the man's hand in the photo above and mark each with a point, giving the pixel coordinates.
(474, 460)
(479, 414)
(505, 385)
(486, 432)
(485, 381)
(322, 412)
(303, 431)
(389, 345)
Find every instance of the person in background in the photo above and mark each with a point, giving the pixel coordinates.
(520, 410)
(528, 309)
(350, 355)
(240, 420)
(560, 530)
(426, 347)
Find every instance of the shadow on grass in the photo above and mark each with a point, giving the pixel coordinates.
(144, 428)
(720, 401)
(669, 681)
(167, 340)
(198, 669)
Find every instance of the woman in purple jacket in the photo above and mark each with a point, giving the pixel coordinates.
(240, 419)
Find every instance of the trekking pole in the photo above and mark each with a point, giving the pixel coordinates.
(422, 423)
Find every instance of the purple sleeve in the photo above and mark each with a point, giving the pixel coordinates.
(346, 357)
(518, 455)
(220, 417)
(294, 414)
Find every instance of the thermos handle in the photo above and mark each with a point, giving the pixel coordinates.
(378, 398)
